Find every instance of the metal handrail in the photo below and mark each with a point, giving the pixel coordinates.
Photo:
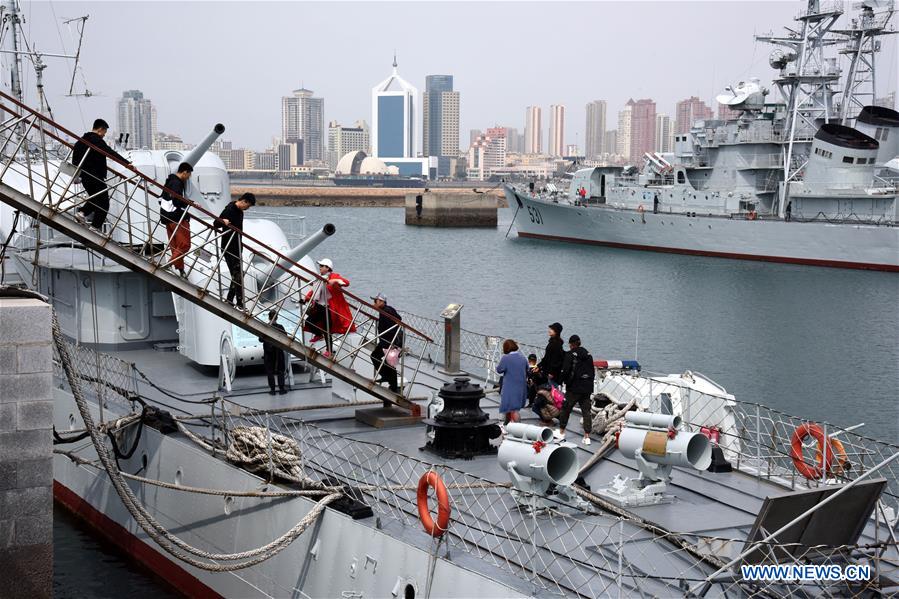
(193, 206)
(144, 249)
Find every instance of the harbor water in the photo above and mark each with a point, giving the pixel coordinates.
(818, 342)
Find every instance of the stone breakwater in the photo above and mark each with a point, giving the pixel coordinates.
(360, 197)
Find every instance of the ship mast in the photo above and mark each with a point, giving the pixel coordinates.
(862, 45)
(809, 81)
(806, 83)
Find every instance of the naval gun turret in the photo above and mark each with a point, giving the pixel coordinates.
(201, 148)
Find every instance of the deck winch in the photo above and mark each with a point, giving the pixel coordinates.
(461, 429)
(654, 442)
(536, 463)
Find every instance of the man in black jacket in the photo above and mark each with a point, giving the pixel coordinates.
(273, 358)
(92, 162)
(551, 364)
(232, 245)
(578, 373)
(173, 214)
(390, 335)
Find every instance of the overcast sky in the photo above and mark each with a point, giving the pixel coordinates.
(230, 62)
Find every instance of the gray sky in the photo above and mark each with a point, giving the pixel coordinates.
(230, 62)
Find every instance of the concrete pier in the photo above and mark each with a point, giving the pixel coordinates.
(458, 209)
(26, 458)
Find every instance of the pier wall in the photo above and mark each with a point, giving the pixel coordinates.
(26, 459)
(461, 209)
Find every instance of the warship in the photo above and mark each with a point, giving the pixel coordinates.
(168, 442)
(810, 179)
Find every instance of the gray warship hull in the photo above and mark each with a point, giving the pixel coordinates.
(818, 243)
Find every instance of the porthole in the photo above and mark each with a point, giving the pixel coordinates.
(71, 422)
(229, 504)
(179, 475)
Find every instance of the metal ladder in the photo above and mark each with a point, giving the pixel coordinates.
(37, 179)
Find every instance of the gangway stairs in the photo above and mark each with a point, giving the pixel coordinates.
(38, 180)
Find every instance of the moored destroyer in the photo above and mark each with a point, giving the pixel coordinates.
(808, 180)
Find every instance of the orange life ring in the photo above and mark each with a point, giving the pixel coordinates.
(640, 209)
(431, 479)
(840, 453)
(806, 470)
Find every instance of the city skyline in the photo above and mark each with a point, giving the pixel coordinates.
(235, 91)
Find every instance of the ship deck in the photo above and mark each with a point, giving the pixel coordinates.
(562, 551)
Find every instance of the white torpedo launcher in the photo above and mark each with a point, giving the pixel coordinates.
(654, 442)
(535, 463)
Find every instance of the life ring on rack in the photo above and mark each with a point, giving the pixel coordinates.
(839, 452)
(806, 470)
(640, 209)
(435, 529)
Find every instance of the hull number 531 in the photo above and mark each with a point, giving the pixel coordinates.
(535, 215)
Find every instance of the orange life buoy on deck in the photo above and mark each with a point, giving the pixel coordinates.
(839, 453)
(823, 461)
(431, 479)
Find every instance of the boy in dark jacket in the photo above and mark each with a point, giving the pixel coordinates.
(92, 164)
(551, 364)
(578, 373)
(173, 214)
(232, 246)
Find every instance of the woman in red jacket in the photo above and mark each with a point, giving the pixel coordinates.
(337, 318)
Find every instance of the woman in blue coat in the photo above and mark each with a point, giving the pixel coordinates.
(514, 367)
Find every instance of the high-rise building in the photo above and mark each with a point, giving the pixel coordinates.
(440, 133)
(513, 141)
(473, 135)
(623, 143)
(137, 119)
(393, 113)
(265, 161)
(287, 156)
(488, 152)
(557, 130)
(689, 111)
(664, 134)
(596, 129)
(571, 151)
(643, 128)
(533, 130)
(303, 117)
(343, 140)
(242, 159)
(222, 149)
(610, 142)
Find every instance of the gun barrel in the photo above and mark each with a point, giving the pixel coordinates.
(195, 154)
(296, 254)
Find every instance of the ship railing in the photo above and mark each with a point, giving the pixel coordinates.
(293, 225)
(845, 219)
(106, 377)
(757, 438)
(479, 353)
(36, 152)
(559, 551)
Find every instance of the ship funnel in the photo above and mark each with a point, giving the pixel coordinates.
(882, 124)
(194, 155)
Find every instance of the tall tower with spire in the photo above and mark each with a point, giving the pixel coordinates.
(394, 110)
